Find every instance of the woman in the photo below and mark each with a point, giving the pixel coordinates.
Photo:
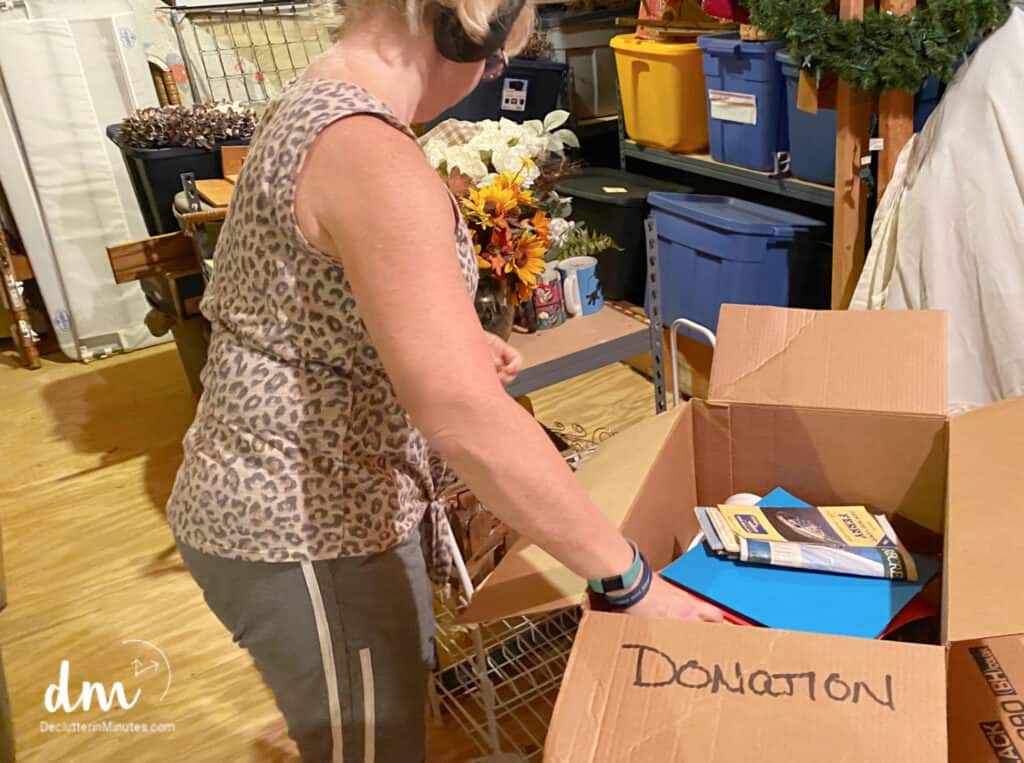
(346, 362)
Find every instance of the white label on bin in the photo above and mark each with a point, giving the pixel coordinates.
(513, 95)
(614, 189)
(733, 107)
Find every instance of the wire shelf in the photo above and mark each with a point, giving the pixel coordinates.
(509, 707)
(247, 53)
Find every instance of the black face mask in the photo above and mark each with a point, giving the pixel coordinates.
(454, 44)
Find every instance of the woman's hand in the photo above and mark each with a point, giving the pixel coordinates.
(666, 601)
(507, 360)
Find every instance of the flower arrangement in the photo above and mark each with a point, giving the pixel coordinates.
(505, 174)
(511, 233)
(201, 125)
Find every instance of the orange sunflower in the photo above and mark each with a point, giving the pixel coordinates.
(527, 262)
(541, 225)
(490, 203)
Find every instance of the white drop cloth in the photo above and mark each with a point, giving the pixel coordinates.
(949, 233)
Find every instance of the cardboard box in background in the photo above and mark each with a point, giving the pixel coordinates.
(838, 408)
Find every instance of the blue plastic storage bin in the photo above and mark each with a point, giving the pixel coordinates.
(926, 101)
(714, 250)
(746, 100)
(812, 137)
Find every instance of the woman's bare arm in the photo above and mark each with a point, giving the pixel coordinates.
(367, 196)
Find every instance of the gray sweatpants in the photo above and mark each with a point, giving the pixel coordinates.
(345, 645)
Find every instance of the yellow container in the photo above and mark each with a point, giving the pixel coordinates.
(663, 93)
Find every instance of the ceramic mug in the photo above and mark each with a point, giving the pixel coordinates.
(580, 286)
(548, 303)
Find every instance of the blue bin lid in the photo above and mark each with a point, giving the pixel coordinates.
(732, 215)
(729, 43)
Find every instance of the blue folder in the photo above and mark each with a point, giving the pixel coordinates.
(816, 602)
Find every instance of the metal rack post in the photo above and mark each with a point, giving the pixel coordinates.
(654, 314)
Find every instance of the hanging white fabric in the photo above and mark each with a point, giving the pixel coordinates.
(950, 230)
(84, 202)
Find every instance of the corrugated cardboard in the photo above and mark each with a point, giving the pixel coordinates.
(529, 580)
(861, 361)
(984, 542)
(986, 701)
(836, 407)
(668, 691)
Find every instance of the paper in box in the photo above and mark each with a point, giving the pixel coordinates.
(840, 408)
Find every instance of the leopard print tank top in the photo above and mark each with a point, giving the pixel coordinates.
(299, 449)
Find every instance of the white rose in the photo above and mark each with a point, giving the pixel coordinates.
(435, 151)
(515, 161)
(467, 161)
(508, 126)
(559, 227)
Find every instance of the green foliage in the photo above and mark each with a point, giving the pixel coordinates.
(580, 242)
(882, 51)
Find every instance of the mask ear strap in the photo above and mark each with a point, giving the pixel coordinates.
(454, 44)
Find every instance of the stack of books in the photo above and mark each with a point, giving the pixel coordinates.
(846, 540)
(783, 563)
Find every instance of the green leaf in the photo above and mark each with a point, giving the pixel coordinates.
(555, 119)
(568, 137)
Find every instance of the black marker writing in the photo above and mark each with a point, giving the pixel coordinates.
(655, 669)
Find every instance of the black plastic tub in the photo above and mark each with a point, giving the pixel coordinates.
(614, 202)
(156, 176)
(527, 90)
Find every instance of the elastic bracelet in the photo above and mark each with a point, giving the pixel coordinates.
(627, 600)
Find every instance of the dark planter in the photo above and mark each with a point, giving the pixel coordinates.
(156, 176)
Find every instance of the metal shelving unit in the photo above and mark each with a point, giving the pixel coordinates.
(704, 165)
(617, 332)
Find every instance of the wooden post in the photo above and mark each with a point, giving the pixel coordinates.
(853, 125)
(895, 112)
(21, 330)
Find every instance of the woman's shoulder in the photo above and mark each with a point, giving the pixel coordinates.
(326, 100)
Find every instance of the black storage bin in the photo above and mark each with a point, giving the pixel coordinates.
(527, 90)
(614, 202)
(156, 177)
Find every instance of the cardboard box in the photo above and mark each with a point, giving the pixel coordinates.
(837, 407)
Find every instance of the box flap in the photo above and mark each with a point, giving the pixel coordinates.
(886, 360)
(654, 690)
(529, 580)
(986, 701)
(984, 545)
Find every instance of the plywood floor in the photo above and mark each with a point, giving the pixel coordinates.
(87, 459)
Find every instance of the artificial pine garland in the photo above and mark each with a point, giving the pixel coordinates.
(884, 50)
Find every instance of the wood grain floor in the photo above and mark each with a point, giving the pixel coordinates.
(87, 460)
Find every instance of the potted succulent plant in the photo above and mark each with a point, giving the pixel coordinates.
(159, 144)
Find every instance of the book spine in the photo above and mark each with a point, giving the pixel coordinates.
(887, 563)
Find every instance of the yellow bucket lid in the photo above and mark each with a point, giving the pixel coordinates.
(630, 43)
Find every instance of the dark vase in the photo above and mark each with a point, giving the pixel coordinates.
(494, 306)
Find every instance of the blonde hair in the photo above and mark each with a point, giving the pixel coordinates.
(475, 15)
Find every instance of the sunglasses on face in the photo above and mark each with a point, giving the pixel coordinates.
(495, 66)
